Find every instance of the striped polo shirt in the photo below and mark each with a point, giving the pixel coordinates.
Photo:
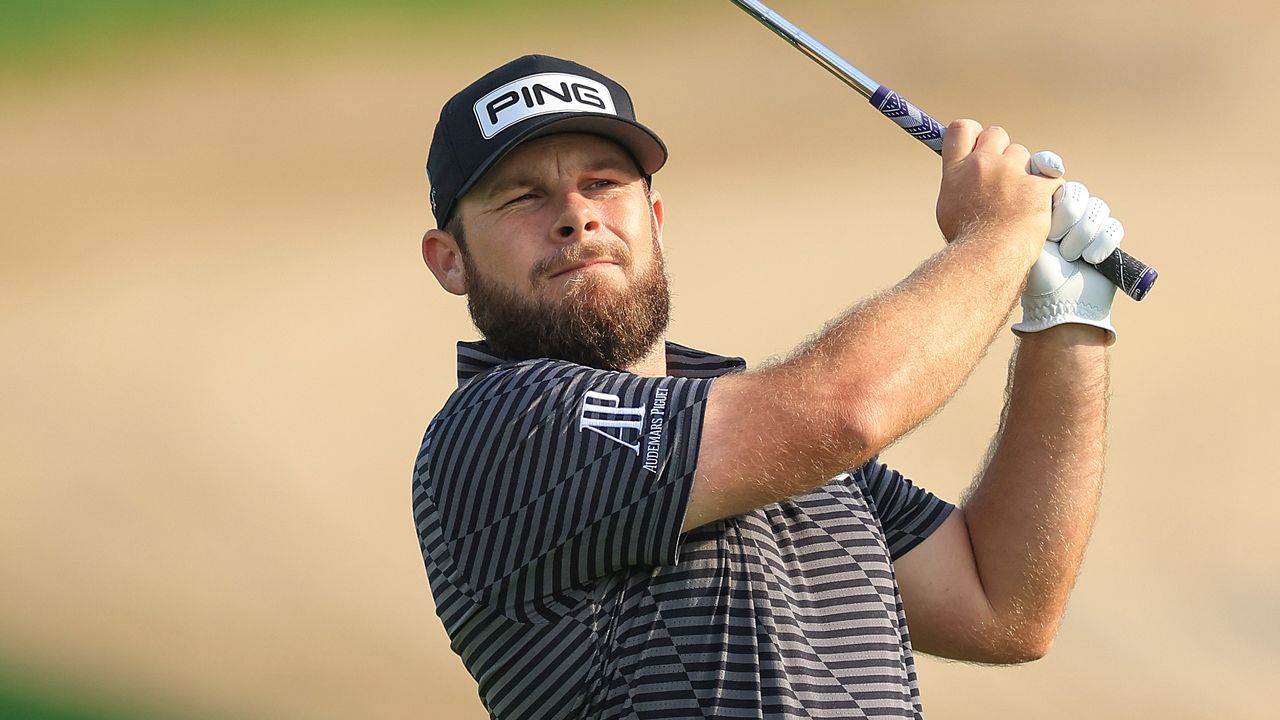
(549, 497)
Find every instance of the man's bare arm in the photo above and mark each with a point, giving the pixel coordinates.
(886, 365)
(991, 584)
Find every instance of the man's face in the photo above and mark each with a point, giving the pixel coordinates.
(563, 254)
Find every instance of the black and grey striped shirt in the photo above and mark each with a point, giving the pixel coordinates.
(549, 499)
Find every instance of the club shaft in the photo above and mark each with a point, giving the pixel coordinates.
(809, 45)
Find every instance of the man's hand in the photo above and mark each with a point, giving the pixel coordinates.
(1062, 289)
(986, 188)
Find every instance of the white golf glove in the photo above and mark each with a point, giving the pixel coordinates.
(1061, 289)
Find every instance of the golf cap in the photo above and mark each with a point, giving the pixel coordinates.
(529, 97)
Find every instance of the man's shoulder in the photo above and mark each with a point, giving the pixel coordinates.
(501, 389)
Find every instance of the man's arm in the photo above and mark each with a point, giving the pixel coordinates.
(991, 584)
(886, 365)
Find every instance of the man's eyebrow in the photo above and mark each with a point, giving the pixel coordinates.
(622, 165)
(505, 184)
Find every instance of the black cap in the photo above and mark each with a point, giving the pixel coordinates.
(528, 97)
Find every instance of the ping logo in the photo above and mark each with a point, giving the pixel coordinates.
(538, 95)
(603, 414)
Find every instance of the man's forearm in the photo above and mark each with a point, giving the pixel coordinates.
(1030, 513)
(902, 354)
(871, 376)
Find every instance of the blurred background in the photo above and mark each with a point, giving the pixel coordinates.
(219, 347)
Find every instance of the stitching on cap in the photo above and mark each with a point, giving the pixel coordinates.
(453, 153)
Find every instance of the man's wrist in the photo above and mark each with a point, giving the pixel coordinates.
(1021, 238)
(1069, 334)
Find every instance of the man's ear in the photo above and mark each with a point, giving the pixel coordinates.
(659, 213)
(441, 253)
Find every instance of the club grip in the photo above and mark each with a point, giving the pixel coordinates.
(909, 117)
(1131, 275)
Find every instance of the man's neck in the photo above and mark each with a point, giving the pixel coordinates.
(654, 363)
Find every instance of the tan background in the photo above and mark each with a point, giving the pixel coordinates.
(219, 348)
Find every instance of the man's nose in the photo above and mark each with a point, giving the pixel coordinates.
(578, 219)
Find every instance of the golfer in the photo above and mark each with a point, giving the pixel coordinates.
(617, 526)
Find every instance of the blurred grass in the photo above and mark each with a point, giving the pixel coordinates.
(37, 35)
(26, 701)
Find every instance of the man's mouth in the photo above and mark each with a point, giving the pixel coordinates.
(581, 264)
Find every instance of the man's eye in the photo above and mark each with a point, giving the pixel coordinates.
(522, 198)
(603, 183)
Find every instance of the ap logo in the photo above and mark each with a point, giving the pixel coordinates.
(604, 414)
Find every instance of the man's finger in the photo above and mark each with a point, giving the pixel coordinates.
(1047, 164)
(1096, 214)
(1105, 242)
(958, 142)
(993, 140)
(1068, 207)
(1018, 152)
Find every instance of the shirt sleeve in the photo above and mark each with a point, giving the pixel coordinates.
(908, 514)
(548, 475)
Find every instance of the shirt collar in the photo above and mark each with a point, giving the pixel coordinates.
(476, 357)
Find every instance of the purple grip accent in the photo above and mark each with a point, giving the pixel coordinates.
(909, 117)
(1131, 275)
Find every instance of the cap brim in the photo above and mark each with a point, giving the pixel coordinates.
(645, 146)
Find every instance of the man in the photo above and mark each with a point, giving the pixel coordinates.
(619, 527)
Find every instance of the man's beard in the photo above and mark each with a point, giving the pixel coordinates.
(594, 324)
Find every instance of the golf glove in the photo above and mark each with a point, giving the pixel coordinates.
(1060, 288)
